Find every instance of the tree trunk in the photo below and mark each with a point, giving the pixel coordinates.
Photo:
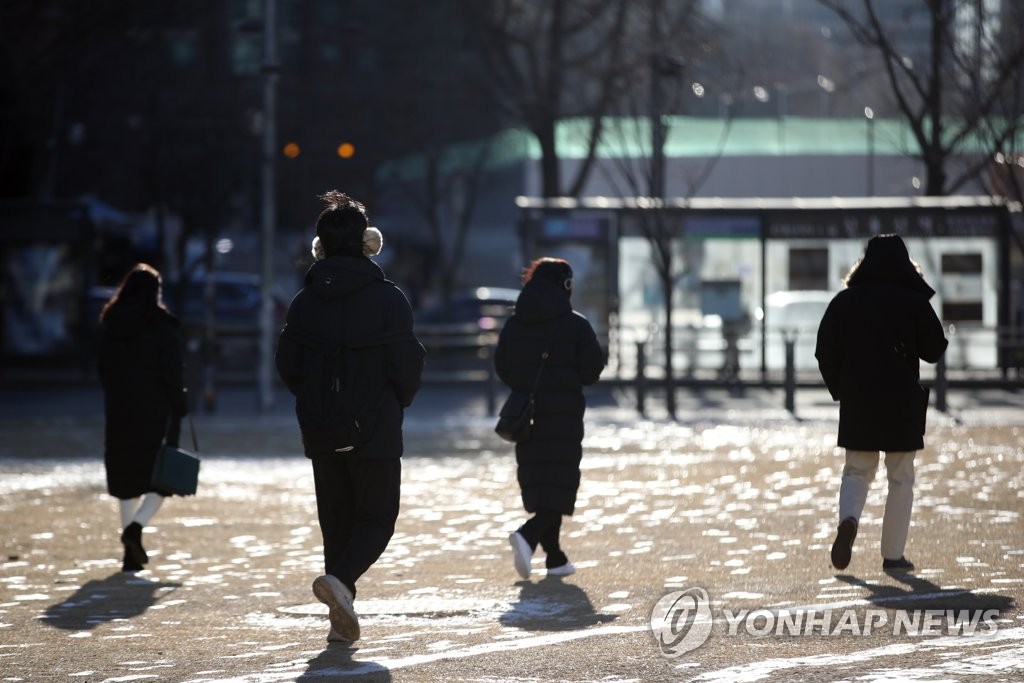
(665, 260)
(670, 380)
(551, 182)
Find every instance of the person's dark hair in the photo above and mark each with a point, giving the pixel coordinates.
(341, 224)
(139, 288)
(554, 270)
(886, 259)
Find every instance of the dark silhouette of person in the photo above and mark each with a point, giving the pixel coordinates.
(346, 302)
(871, 340)
(548, 462)
(141, 367)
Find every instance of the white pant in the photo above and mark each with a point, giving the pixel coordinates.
(853, 492)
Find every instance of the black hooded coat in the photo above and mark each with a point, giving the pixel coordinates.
(346, 299)
(870, 342)
(141, 367)
(549, 461)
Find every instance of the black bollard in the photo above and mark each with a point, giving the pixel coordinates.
(790, 382)
(641, 378)
(492, 381)
(941, 385)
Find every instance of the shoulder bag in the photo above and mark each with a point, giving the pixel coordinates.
(515, 419)
(176, 470)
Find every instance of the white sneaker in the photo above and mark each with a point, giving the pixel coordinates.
(333, 593)
(521, 553)
(566, 569)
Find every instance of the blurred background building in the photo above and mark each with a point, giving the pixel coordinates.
(133, 132)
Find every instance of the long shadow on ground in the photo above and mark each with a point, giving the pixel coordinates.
(119, 596)
(336, 661)
(552, 605)
(918, 593)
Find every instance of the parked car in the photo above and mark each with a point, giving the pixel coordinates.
(237, 302)
(794, 315)
(468, 324)
(484, 307)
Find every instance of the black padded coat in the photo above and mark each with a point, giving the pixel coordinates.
(549, 462)
(870, 343)
(141, 366)
(347, 299)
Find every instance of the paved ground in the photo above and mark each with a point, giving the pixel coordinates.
(735, 502)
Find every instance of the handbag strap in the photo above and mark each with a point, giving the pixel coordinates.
(192, 428)
(543, 360)
(540, 370)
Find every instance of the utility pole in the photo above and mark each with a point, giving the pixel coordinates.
(268, 213)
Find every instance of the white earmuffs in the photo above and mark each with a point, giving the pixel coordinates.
(373, 242)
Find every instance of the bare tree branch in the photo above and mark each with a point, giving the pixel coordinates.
(955, 99)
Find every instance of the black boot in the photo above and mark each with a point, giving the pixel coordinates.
(133, 550)
(128, 564)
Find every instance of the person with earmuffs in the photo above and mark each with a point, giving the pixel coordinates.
(348, 344)
(547, 345)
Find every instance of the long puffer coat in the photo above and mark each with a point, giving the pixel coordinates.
(141, 366)
(870, 342)
(347, 299)
(549, 461)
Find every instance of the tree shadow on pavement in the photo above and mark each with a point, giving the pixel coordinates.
(119, 596)
(918, 593)
(552, 605)
(336, 660)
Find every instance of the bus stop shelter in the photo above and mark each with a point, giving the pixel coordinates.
(733, 264)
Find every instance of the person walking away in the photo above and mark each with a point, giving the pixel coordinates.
(141, 368)
(870, 342)
(548, 462)
(349, 355)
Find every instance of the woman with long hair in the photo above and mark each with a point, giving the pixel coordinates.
(141, 366)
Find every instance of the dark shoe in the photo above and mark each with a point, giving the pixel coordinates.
(129, 565)
(132, 539)
(899, 566)
(842, 547)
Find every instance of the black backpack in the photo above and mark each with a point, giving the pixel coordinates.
(327, 406)
(336, 404)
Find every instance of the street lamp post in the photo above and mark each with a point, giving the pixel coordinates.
(268, 213)
(869, 116)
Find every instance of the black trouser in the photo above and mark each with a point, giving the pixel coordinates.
(544, 528)
(357, 503)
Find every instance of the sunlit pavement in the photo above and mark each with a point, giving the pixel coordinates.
(736, 499)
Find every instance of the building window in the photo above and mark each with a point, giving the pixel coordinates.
(808, 268)
(961, 287)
